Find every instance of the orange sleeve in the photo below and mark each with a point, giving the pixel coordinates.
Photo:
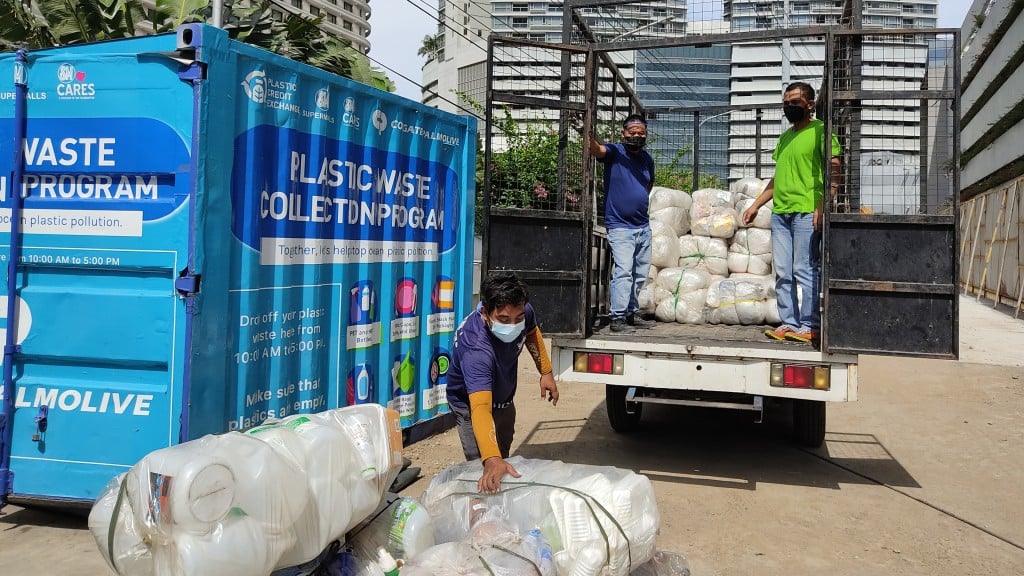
(483, 424)
(535, 344)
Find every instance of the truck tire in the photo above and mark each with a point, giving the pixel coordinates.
(623, 416)
(809, 422)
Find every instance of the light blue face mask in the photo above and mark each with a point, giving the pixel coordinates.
(507, 332)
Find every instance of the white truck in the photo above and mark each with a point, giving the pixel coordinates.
(889, 254)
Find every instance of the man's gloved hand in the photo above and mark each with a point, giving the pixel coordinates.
(576, 122)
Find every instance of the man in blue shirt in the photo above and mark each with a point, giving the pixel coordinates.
(628, 179)
(482, 380)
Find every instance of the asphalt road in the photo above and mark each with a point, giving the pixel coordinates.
(922, 475)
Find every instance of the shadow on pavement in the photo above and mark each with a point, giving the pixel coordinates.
(720, 448)
(23, 519)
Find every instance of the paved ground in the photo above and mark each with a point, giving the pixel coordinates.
(921, 476)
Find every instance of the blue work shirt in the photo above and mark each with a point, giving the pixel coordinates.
(627, 183)
(481, 362)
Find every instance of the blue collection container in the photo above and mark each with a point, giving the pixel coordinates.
(210, 235)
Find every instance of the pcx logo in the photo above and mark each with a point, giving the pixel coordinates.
(380, 120)
(255, 86)
(349, 118)
(72, 84)
(323, 99)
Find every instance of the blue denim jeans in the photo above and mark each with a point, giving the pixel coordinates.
(631, 260)
(796, 251)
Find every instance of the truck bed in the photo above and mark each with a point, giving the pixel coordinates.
(721, 334)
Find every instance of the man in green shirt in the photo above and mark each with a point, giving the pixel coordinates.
(797, 192)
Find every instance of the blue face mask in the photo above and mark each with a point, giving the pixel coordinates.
(507, 332)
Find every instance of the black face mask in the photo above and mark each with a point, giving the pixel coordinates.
(634, 143)
(794, 113)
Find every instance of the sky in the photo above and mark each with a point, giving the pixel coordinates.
(398, 27)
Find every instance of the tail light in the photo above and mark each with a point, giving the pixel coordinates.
(800, 376)
(597, 363)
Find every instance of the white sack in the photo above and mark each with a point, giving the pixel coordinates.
(736, 302)
(764, 213)
(690, 307)
(750, 263)
(748, 187)
(767, 281)
(662, 197)
(702, 252)
(664, 251)
(677, 218)
(682, 281)
(752, 241)
(771, 312)
(720, 222)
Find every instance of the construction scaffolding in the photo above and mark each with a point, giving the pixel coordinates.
(991, 250)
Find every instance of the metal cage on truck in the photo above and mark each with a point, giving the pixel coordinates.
(889, 252)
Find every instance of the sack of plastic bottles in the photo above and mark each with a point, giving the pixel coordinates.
(597, 519)
(246, 503)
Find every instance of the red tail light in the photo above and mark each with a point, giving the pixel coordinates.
(599, 363)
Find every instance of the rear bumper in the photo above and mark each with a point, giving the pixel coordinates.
(708, 368)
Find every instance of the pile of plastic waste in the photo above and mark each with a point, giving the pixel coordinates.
(246, 503)
(706, 267)
(305, 496)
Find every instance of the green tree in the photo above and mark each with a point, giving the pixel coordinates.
(431, 47)
(48, 23)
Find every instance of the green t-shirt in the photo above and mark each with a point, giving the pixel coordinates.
(800, 169)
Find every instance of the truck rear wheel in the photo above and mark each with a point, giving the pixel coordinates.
(809, 422)
(623, 416)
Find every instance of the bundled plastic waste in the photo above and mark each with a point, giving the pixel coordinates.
(670, 207)
(717, 245)
(764, 213)
(662, 197)
(713, 214)
(751, 252)
(702, 252)
(596, 519)
(736, 302)
(748, 187)
(245, 503)
(664, 251)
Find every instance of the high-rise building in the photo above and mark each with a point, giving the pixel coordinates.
(681, 88)
(346, 19)
(761, 70)
(465, 25)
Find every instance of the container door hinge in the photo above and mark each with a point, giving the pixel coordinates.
(193, 71)
(187, 284)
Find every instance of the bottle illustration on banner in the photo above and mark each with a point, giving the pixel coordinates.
(403, 387)
(363, 303)
(438, 391)
(360, 385)
(443, 297)
(405, 298)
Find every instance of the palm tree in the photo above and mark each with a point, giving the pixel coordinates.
(47, 23)
(432, 45)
